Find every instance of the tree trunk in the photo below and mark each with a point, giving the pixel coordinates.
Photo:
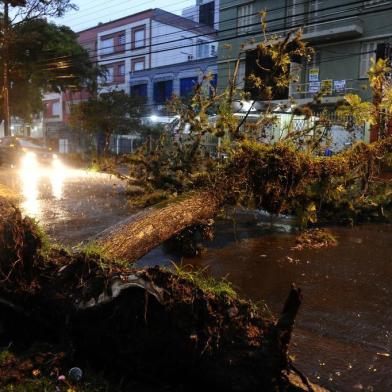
(135, 236)
(146, 324)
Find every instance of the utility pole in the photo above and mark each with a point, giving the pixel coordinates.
(6, 103)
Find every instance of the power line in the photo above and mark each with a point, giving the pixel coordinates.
(235, 28)
(128, 8)
(305, 13)
(269, 32)
(226, 38)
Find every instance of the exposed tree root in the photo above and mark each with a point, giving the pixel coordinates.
(149, 325)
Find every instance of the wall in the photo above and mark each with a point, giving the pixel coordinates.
(174, 72)
(183, 49)
(338, 55)
(126, 54)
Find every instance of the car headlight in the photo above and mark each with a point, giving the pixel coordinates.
(29, 160)
(56, 163)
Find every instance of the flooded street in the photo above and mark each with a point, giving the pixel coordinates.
(71, 204)
(343, 335)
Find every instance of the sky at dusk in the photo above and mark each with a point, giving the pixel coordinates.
(91, 12)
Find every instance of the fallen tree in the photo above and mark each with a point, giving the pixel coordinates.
(278, 178)
(147, 324)
(137, 235)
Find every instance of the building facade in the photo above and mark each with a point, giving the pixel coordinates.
(346, 36)
(153, 54)
(204, 12)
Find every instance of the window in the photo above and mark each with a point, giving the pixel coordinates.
(163, 91)
(368, 52)
(202, 49)
(138, 37)
(139, 90)
(121, 39)
(63, 146)
(109, 74)
(107, 46)
(301, 12)
(213, 50)
(246, 19)
(207, 13)
(56, 109)
(138, 64)
(187, 86)
(121, 70)
(29, 143)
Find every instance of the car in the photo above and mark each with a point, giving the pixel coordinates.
(26, 150)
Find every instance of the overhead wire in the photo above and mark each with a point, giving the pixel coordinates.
(252, 33)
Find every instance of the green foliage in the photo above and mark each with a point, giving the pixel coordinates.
(288, 176)
(170, 168)
(281, 179)
(44, 57)
(92, 250)
(33, 9)
(377, 113)
(4, 356)
(108, 113)
(204, 281)
(42, 235)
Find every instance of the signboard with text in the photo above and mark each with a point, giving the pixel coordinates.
(314, 75)
(314, 87)
(326, 86)
(339, 86)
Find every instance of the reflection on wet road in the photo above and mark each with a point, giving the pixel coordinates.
(71, 204)
(31, 176)
(343, 335)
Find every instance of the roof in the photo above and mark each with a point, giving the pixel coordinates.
(119, 21)
(171, 19)
(156, 14)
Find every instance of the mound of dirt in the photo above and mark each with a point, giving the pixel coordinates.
(150, 325)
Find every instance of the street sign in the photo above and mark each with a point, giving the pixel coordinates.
(339, 86)
(314, 87)
(326, 86)
(314, 75)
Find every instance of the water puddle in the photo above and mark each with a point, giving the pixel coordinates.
(343, 336)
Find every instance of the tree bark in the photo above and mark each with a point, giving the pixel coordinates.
(135, 236)
(145, 324)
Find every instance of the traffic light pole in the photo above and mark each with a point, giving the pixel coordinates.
(6, 103)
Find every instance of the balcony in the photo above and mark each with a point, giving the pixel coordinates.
(335, 91)
(334, 30)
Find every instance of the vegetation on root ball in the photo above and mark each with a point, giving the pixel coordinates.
(94, 251)
(205, 281)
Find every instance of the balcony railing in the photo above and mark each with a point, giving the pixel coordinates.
(327, 88)
(334, 30)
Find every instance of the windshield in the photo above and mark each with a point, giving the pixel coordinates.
(30, 143)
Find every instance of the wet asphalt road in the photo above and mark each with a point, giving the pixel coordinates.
(71, 204)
